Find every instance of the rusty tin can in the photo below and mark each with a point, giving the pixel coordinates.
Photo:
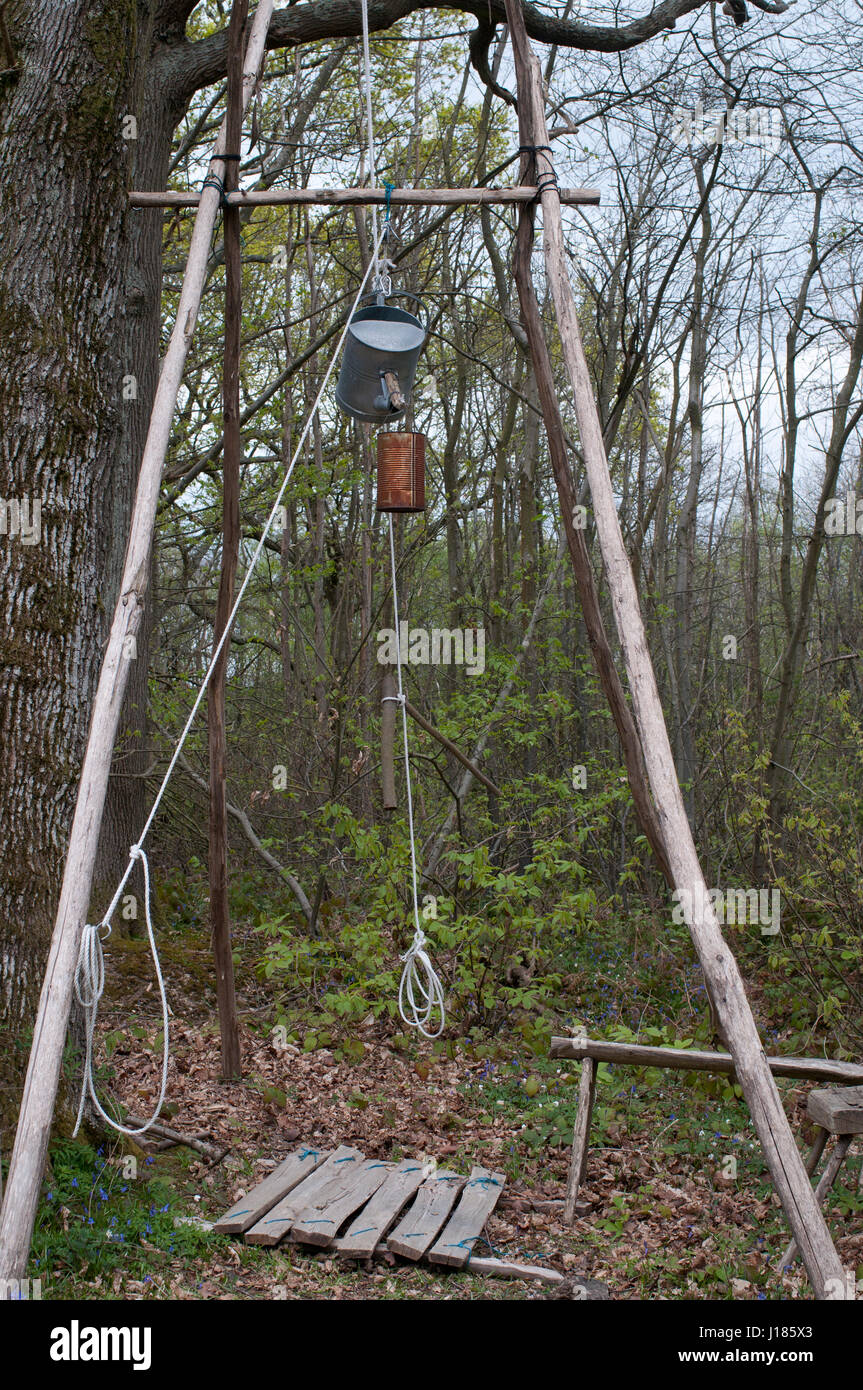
(401, 472)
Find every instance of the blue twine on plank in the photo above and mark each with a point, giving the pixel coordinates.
(450, 1177)
(352, 1158)
(460, 1244)
(363, 1232)
(484, 1182)
(319, 1221)
(310, 1153)
(413, 1235)
(244, 1212)
(376, 1165)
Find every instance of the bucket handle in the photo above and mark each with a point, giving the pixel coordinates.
(421, 314)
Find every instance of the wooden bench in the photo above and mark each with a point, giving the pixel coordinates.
(839, 1113)
(591, 1051)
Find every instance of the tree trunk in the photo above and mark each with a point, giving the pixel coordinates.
(137, 374)
(220, 916)
(686, 527)
(63, 343)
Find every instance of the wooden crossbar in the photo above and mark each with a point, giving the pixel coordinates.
(357, 197)
(688, 1059)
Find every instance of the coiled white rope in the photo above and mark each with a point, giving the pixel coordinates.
(420, 989)
(90, 968)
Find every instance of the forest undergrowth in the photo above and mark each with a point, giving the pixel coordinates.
(677, 1203)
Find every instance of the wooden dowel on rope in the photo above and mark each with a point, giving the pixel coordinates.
(388, 742)
(721, 974)
(49, 1033)
(362, 197)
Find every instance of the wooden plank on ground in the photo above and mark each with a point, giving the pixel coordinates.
(508, 1269)
(478, 1200)
(274, 1187)
(365, 1231)
(349, 1187)
(499, 1269)
(426, 1215)
(279, 1220)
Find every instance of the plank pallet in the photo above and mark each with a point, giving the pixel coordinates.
(340, 1201)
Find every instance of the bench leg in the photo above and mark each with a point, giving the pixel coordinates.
(580, 1137)
(828, 1177)
(816, 1151)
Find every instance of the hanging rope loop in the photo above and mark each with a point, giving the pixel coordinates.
(420, 990)
(370, 135)
(89, 988)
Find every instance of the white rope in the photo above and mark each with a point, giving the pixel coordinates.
(90, 969)
(89, 986)
(420, 989)
(370, 132)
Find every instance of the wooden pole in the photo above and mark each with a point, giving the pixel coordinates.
(220, 915)
(580, 1137)
(361, 197)
(826, 1181)
(721, 973)
(49, 1033)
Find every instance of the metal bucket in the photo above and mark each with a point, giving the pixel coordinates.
(401, 472)
(381, 339)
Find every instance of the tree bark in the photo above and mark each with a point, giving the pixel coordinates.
(63, 255)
